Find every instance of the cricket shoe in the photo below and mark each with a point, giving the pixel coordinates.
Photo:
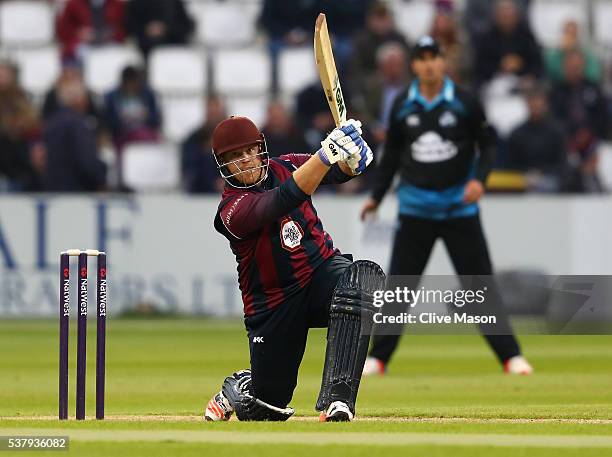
(517, 365)
(218, 409)
(338, 411)
(374, 366)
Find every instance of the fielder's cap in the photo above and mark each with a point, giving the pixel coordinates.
(234, 133)
(423, 45)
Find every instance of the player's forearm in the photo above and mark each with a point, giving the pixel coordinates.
(309, 176)
(486, 158)
(385, 173)
(485, 165)
(338, 174)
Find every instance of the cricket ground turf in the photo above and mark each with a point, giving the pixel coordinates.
(443, 396)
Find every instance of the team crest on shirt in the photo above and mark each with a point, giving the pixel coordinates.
(413, 120)
(291, 234)
(447, 119)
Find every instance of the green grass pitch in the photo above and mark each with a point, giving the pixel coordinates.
(443, 395)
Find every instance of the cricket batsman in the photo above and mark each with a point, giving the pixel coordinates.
(291, 277)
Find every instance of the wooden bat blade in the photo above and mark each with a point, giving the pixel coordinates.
(327, 70)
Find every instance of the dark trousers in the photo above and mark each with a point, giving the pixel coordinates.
(277, 337)
(467, 248)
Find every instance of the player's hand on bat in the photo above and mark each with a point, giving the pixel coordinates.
(341, 143)
(351, 124)
(472, 191)
(360, 161)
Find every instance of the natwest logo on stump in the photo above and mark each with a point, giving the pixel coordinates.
(291, 234)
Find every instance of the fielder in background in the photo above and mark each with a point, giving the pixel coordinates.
(290, 275)
(441, 144)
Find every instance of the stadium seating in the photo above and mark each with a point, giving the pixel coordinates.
(605, 164)
(413, 18)
(38, 68)
(242, 71)
(297, 69)
(506, 113)
(26, 23)
(103, 65)
(547, 18)
(254, 107)
(177, 70)
(181, 115)
(225, 24)
(151, 167)
(505, 108)
(229, 56)
(602, 22)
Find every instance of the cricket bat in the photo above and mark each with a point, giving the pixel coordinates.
(327, 70)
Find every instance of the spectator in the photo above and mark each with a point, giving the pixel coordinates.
(286, 24)
(509, 47)
(132, 112)
(19, 131)
(158, 22)
(72, 155)
(380, 29)
(581, 107)
(537, 146)
(577, 102)
(16, 110)
(445, 30)
(71, 71)
(84, 23)
(478, 16)
(313, 115)
(199, 169)
(15, 168)
(374, 103)
(346, 17)
(570, 41)
(445, 6)
(282, 136)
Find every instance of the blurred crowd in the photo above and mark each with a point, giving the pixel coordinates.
(66, 141)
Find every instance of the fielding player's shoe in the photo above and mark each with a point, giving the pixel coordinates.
(338, 411)
(374, 366)
(218, 409)
(517, 365)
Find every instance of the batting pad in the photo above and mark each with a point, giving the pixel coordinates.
(348, 333)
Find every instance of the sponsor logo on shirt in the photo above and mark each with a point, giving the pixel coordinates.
(447, 119)
(230, 213)
(291, 234)
(413, 120)
(431, 147)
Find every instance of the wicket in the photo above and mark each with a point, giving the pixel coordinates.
(64, 315)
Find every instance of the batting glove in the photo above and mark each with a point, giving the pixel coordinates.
(360, 161)
(355, 124)
(340, 144)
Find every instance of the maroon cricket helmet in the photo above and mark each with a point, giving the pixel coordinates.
(234, 133)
